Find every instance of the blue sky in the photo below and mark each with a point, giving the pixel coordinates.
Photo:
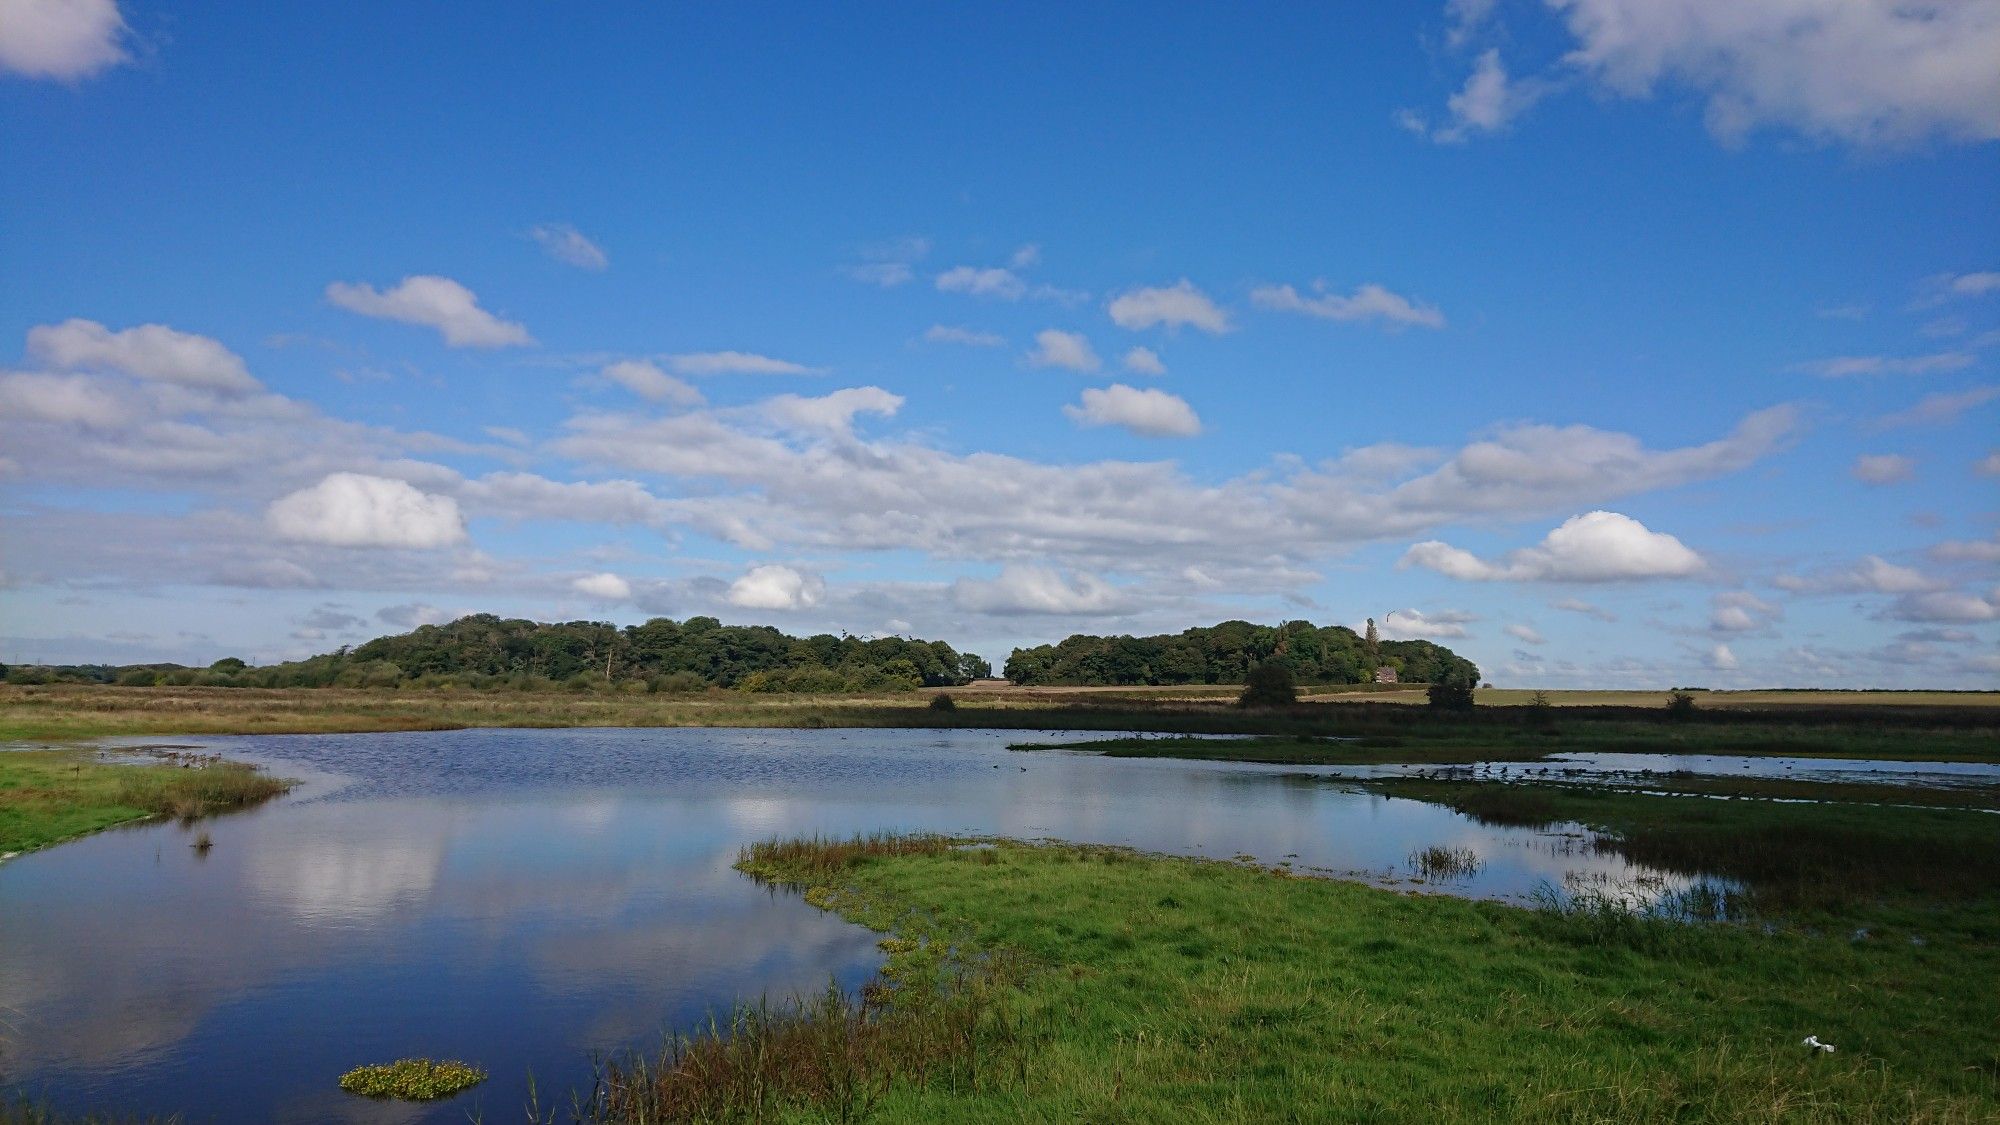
(1610, 342)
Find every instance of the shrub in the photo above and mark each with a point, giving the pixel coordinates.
(1680, 705)
(1451, 695)
(943, 701)
(1269, 684)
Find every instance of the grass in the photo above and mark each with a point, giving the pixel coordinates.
(1919, 728)
(412, 1080)
(20, 1111)
(1831, 857)
(48, 796)
(1149, 988)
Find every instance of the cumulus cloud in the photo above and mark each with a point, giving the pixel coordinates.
(1171, 307)
(1002, 284)
(1946, 606)
(832, 412)
(1861, 71)
(1721, 659)
(1593, 547)
(972, 338)
(149, 351)
(737, 363)
(63, 400)
(61, 39)
(1412, 625)
(1872, 574)
(1989, 465)
(1970, 284)
(1846, 366)
(1527, 634)
(1369, 302)
(605, 587)
(1143, 361)
(1487, 103)
(409, 615)
(1968, 550)
(1740, 611)
(1070, 350)
(568, 245)
(649, 382)
(433, 302)
(1154, 413)
(357, 510)
(892, 263)
(776, 587)
(1024, 589)
(1883, 468)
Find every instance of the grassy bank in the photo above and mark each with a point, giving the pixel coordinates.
(1839, 857)
(1921, 729)
(1150, 988)
(48, 796)
(1303, 751)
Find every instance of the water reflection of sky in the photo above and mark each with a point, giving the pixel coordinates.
(524, 898)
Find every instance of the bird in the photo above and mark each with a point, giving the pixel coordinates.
(1813, 1042)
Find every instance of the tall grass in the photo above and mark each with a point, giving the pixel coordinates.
(186, 794)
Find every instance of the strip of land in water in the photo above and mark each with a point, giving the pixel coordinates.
(48, 796)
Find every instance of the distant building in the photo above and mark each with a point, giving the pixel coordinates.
(1385, 675)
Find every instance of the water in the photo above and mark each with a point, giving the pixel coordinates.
(522, 899)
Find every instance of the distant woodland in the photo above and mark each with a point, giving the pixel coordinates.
(1225, 653)
(487, 652)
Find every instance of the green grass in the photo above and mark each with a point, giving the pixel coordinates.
(412, 1080)
(1162, 989)
(1294, 751)
(1837, 858)
(48, 796)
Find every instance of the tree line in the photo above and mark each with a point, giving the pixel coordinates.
(1225, 654)
(489, 652)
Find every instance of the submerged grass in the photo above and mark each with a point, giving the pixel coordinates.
(47, 796)
(1148, 988)
(1827, 855)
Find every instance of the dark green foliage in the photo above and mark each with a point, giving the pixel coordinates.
(943, 702)
(1270, 684)
(1680, 705)
(1225, 653)
(1451, 695)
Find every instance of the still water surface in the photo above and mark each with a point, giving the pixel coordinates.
(522, 899)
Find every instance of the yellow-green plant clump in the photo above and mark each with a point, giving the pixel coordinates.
(412, 1080)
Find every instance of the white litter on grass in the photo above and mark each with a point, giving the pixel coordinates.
(1813, 1042)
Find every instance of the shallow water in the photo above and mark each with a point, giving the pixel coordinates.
(522, 899)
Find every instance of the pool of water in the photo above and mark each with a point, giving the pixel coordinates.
(524, 899)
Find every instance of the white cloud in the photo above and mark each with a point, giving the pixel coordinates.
(1883, 468)
(1593, 547)
(892, 263)
(433, 302)
(409, 615)
(1989, 465)
(1721, 659)
(1027, 257)
(737, 363)
(1002, 284)
(1411, 625)
(776, 587)
(1527, 634)
(1844, 366)
(1872, 574)
(1070, 350)
(1154, 413)
(1968, 550)
(149, 351)
(649, 382)
(567, 245)
(1939, 409)
(1170, 306)
(1971, 284)
(1947, 606)
(1022, 589)
(832, 412)
(1578, 605)
(357, 510)
(1369, 302)
(605, 587)
(62, 399)
(1739, 611)
(1487, 102)
(1862, 71)
(949, 334)
(1144, 361)
(61, 39)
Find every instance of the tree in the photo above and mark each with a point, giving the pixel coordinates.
(1269, 684)
(1451, 695)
